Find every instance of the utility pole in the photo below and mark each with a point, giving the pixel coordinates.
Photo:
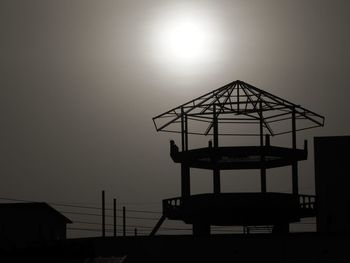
(114, 217)
(124, 222)
(103, 215)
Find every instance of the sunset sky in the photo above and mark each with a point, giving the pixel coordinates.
(81, 80)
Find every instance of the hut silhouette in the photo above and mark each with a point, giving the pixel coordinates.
(25, 224)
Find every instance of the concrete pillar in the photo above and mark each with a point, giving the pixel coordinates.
(185, 180)
(201, 229)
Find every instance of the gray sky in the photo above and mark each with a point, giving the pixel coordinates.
(81, 80)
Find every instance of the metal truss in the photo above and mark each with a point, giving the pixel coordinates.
(238, 103)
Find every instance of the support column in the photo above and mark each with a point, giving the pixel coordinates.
(185, 169)
(184, 131)
(282, 228)
(216, 170)
(103, 215)
(185, 180)
(114, 217)
(216, 181)
(201, 229)
(295, 163)
(124, 221)
(262, 156)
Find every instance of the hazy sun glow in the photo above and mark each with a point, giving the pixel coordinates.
(182, 39)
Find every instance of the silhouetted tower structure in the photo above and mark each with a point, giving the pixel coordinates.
(223, 112)
(332, 183)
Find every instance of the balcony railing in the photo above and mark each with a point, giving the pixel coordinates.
(307, 202)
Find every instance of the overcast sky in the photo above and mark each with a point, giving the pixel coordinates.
(81, 80)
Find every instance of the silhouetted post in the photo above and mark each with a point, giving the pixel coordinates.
(295, 163)
(124, 222)
(114, 217)
(237, 88)
(246, 230)
(201, 229)
(135, 232)
(215, 128)
(267, 139)
(262, 156)
(184, 130)
(216, 171)
(216, 176)
(185, 169)
(103, 215)
(185, 180)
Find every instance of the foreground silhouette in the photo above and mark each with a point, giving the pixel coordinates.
(235, 104)
(29, 224)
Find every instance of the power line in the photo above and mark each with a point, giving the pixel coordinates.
(108, 209)
(141, 211)
(81, 206)
(218, 228)
(132, 226)
(99, 230)
(163, 229)
(92, 214)
(13, 199)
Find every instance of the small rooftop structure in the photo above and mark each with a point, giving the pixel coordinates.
(23, 224)
(229, 111)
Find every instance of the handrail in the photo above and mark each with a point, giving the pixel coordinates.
(174, 202)
(307, 201)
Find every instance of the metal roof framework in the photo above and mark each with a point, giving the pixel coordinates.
(238, 103)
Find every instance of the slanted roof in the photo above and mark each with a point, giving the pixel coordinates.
(238, 103)
(8, 209)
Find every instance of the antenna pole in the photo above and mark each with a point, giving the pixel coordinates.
(262, 156)
(295, 163)
(216, 171)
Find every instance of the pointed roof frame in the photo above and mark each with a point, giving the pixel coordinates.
(242, 102)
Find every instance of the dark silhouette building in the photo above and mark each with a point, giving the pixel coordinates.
(23, 224)
(238, 109)
(332, 177)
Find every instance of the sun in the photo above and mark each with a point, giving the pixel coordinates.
(184, 39)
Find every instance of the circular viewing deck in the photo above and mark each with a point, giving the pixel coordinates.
(238, 157)
(229, 209)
